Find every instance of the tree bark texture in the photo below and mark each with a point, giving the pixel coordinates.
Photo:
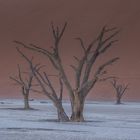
(77, 108)
(62, 116)
(26, 102)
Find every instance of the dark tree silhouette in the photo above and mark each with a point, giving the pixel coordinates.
(84, 77)
(120, 89)
(25, 82)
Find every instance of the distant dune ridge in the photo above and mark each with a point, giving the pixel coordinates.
(29, 21)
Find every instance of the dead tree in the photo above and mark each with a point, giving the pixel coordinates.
(120, 90)
(84, 77)
(47, 87)
(25, 85)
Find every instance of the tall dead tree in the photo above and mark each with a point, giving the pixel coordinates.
(25, 85)
(47, 87)
(119, 89)
(84, 77)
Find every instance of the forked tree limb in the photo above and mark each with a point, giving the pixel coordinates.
(16, 80)
(81, 44)
(90, 83)
(100, 49)
(110, 62)
(61, 89)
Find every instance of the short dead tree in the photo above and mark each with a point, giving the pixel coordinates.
(25, 85)
(120, 89)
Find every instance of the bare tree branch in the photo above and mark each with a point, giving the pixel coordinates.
(32, 47)
(37, 91)
(57, 34)
(110, 62)
(81, 44)
(61, 89)
(106, 78)
(76, 58)
(16, 80)
(74, 68)
(110, 37)
(19, 75)
(50, 85)
(87, 86)
(99, 50)
(107, 46)
(111, 29)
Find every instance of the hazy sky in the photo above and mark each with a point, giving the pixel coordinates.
(29, 21)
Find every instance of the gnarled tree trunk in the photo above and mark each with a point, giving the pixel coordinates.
(26, 102)
(77, 108)
(118, 100)
(62, 116)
